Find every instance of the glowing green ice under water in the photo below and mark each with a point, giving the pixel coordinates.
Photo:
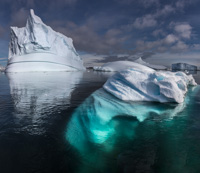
(103, 128)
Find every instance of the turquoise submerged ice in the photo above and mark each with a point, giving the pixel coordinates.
(136, 84)
(94, 120)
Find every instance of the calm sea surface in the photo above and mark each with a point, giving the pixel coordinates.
(65, 122)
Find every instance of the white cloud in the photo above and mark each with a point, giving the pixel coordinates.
(170, 43)
(158, 32)
(183, 30)
(144, 22)
(86, 38)
(181, 4)
(150, 20)
(170, 39)
(180, 46)
(168, 9)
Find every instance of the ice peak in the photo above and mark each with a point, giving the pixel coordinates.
(33, 18)
(41, 43)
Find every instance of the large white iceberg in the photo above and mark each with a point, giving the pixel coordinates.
(144, 85)
(37, 47)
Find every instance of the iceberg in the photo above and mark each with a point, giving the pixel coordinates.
(184, 66)
(37, 47)
(120, 65)
(149, 85)
(103, 125)
(103, 120)
(153, 66)
(2, 68)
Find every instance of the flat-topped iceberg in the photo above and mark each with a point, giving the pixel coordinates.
(136, 84)
(37, 47)
(120, 65)
(184, 66)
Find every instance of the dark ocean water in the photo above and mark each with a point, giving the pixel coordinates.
(65, 122)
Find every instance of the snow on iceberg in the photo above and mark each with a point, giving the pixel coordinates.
(153, 66)
(37, 47)
(140, 85)
(120, 65)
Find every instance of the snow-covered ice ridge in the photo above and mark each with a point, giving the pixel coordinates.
(37, 47)
(121, 65)
(153, 66)
(145, 84)
(118, 66)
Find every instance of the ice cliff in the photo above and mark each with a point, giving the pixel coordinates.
(137, 84)
(37, 47)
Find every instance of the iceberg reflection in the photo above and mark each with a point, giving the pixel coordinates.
(39, 96)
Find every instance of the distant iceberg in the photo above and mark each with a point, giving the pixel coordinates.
(37, 47)
(184, 66)
(153, 66)
(122, 65)
(136, 84)
(2, 68)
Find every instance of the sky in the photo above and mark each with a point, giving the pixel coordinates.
(159, 31)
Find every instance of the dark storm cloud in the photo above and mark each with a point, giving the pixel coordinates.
(113, 27)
